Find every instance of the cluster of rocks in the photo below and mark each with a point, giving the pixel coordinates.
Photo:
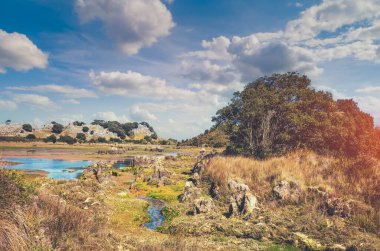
(160, 176)
(112, 152)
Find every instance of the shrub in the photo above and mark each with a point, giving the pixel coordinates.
(102, 140)
(77, 123)
(57, 128)
(67, 139)
(51, 138)
(85, 129)
(31, 137)
(81, 137)
(27, 127)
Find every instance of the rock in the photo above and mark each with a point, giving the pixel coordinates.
(203, 205)
(304, 242)
(196, 179)
(198, 168)
(190, 192)
(214, 190)
(242, 201)
(287, 192)
(345, 208)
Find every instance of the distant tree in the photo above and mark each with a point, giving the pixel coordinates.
(102, 140)
(81, 137)
(154, 136)
(31, 137)
(57, 128)
(8, 122)
(85, 129)
(148, 138)
(67, 139)
(51, 138)
(27, 127)
(77, 123)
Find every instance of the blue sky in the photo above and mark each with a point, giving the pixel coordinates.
(175, 63)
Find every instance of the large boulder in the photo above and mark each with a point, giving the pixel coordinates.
(203, 205)
(286, 191)
(190, 193)
(242, 201)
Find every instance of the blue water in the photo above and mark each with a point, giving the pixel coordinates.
(154, 210)
(57, 169)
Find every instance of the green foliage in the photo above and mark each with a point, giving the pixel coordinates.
(67, 139)
(27, 127)
(277, 114)
(148, 138)
(77, 123)
(154, 136)
(85, 129)
(81, 137)
(102, 140)
(51, 138)
(31, 137)
(57, 128)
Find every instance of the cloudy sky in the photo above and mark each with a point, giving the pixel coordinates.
(174, 63)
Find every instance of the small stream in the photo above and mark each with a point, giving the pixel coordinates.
(154, 210)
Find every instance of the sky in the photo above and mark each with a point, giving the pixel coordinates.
(174, 63)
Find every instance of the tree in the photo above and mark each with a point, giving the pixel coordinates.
(77, 123)
(81, 137)
(27, 127)
(154, 136)
(51, 138)
(277, 114)
(30, 137)
(8, 122)
(67, 139)
(57, 128)
(85, 129)
(148, 138)
(102, 140)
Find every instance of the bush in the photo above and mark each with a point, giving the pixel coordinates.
(51, 138)
(57, 128)
(81, 137)
(102, 140)
(77, 123)
(85, 129)
(67, 139)
(27, 127)
(31, 137)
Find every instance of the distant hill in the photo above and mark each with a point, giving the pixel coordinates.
(97, 129)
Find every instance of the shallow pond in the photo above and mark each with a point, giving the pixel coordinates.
(56, 169)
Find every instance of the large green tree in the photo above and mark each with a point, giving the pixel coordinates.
(277, 114)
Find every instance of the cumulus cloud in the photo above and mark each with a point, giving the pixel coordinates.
(110, 116)
(19, 53)
(140, 114)
(132, 83)
(71, 101)
(66, 90)
(133, 24)
(327, 31)
(35, 101)
(7, 104)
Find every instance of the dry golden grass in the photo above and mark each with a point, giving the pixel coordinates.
(358, 178)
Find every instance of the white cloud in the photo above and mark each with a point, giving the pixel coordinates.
(136, 84)
(7, 104)
(133, 24)
(370, 104)
(35, 100)
(110, 116)
(369, 89)
(66, 90)
(71, 101)
(327, 31)
(140, 114)
(19, 53)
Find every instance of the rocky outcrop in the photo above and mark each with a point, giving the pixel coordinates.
(345, 208)
(242, 201)
(286, 191)
(190, 193)
(203, 205)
